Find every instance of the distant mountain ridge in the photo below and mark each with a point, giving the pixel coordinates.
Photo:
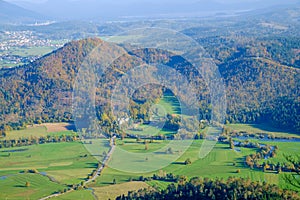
(120, 9)
(13, 14)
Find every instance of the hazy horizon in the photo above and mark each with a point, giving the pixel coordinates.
(89, 9)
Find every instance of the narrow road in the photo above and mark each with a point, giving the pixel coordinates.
(99, 170)
(106, 160)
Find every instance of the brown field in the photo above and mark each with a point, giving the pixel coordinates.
(56, 127)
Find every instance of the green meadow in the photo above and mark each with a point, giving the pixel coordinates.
(262, 128)
(31, 51)
(70, 163)
(40, 131)
(221, 162)
(64, 164)
(79, 194)
(168, 104)
(13, 186)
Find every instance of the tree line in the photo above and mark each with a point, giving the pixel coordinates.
(204, 188)
(37, 140)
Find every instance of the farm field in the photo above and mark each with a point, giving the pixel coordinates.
(262, 128)
(70, 163)
(113, 191)
(13, 186)
(42, 130)
(24, 52)
(79, 194)
(66, 164)
(31, 51)
(222, 162)
(106, 192)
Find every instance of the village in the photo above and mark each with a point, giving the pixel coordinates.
(22, 47)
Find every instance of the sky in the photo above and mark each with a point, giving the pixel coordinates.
(72, 9)
(186, 1)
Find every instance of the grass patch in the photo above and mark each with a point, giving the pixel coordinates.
(68, 163)
(42, 131)
(113, 191)
(108, 175)
(221, 162)
(63, 161)
(150, 130)
(13, 187)
(262, 128)
(158, 185)
(285, 148)
(168, 104)
(28, 132)
(31, 51)
(139, 147)
(78, 194)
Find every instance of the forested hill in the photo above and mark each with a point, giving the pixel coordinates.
(41, 90)
(258, 90)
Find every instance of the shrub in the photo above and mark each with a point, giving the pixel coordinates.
(27, 184)
(187, 161)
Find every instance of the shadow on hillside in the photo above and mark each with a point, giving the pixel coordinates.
(178, 163)
(71, 127)
(91, 165)
(20, 186)
(107, 183)
(269, 128)
(219, 147)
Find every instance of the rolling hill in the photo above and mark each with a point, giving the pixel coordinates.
(258, 90)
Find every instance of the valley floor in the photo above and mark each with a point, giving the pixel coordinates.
(60, 165)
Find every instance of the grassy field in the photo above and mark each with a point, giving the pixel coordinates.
(113, 191)
(132, 145)
(28, 132)
(79, 194)
(70, 163)
(41, 130)
(169, 104)
(222, 162)
(261, 128)
(218, 162)
(25, 52)
(13, 187)
(31, 51)
(158, 185)
(67, 163)
(150, 130)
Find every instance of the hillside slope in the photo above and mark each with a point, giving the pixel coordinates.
(257, 90)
